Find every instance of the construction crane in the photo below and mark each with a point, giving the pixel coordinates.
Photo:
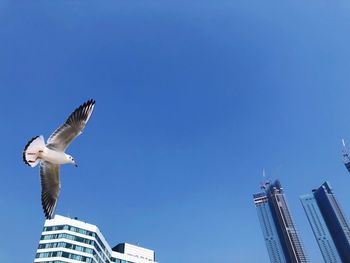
(265, 183)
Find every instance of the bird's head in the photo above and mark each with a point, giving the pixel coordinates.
(71, 160)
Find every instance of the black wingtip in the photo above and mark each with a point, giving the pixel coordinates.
(45, 209)
(90, 102)
(25, 149)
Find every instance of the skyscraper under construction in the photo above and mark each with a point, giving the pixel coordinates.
(281, 236)
(346, 156)
(329, 224)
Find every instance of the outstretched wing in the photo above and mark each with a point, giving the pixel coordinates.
(73, 127)
(50, 186)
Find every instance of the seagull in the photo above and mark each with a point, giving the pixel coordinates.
(52, 154)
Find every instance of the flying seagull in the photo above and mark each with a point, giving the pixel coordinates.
(52, 154)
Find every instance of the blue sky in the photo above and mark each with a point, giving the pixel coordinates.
(193, 100)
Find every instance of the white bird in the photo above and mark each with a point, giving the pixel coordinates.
(52, 155)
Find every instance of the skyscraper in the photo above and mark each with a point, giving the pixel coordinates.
(320, 230)
(268, 228)
(346, 156)
(280, 234)
(328, 223)
(66, 240)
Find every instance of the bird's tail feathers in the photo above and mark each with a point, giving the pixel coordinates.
(31, 152)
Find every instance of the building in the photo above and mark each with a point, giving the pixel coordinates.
(281, 236)
(268, 228)
(328, 223)
(346, 156)
(66, 240)
(320, 229)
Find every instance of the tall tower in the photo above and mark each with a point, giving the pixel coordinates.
(320, 229)
(346, 156)
(328, 223)
(268, 228)
(280, 234)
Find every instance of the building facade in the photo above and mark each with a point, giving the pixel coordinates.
(268, 228)
(320, 229)
(329, 216)
(279, 231)
(66, 240)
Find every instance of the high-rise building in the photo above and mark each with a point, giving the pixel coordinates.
(328, 223)
(346, 156)
(281, 236)
(319, 227)
(66, 240)
(268, 228)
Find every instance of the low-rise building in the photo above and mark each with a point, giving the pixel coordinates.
(67, 240)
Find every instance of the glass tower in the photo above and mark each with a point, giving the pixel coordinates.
(280, 234)
(320, 229)
(331, 218)
(269, 230)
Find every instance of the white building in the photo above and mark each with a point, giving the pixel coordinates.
(66, 240)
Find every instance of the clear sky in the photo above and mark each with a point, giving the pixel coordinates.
(193, 100)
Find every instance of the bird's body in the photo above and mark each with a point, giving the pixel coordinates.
(52, 154)
(54, 157)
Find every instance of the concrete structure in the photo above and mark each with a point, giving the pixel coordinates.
(66, 240)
